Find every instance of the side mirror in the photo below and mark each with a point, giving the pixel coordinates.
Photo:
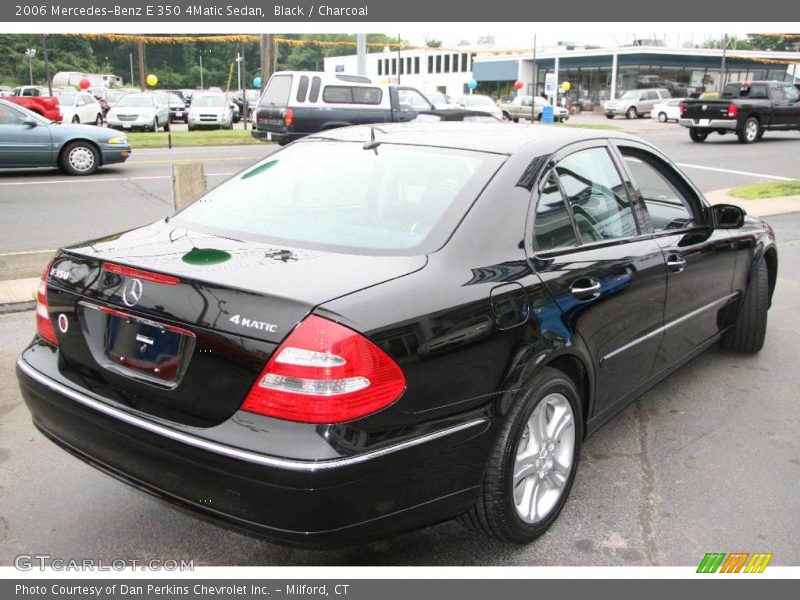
(727, 216)
(30, 122)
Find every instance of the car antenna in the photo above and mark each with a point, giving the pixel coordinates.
(372, 144)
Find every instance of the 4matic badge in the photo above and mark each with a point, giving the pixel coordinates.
(261, 325)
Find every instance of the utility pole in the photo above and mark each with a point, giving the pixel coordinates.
(361, 53)
(244, 90)
(267, 57)
(201, 70)
(535, 82)
(130, 58)
(722, 67)
(46, 66)
(399, 60)
(142, 83)
(30, 53)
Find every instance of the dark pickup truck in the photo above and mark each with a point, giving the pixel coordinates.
(747, 108)
(298, 103)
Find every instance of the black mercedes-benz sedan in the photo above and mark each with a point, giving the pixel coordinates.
(379, 328)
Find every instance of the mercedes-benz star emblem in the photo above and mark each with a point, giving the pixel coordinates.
(132, 292)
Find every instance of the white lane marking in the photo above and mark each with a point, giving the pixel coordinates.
(734, 172)
(102, 179)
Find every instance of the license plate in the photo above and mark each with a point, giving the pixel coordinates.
(704, 122)
(126, 125)
(178, 113)
(144, 347)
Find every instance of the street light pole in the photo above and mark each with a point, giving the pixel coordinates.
(130, 57)
(201, 70)
(30, 53)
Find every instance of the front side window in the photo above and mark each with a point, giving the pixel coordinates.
(667, 207)
(10, 116)
(411, 100)
(596, 195)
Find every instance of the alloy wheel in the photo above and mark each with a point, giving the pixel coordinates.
(81, 159)
(544, 458)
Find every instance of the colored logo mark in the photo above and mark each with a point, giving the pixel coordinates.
(735, 562)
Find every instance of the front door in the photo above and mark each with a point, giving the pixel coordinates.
(23, 144)
(700, 260)
(607, 279)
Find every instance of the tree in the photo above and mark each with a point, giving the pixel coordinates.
(778, 43)
(433, 43)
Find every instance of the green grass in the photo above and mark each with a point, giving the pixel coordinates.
(772, 189)
(183, 139)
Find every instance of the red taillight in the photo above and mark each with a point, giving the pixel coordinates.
(141, 274)
(325, 373)
(44, 325)
(733, 110)
(683, 108)
(288, 117)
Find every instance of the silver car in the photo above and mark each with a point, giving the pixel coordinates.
(636, 103)
(139, 111)
(210, 109)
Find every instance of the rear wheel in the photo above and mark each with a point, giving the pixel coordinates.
(749, 132)
(748, 333)
(609, 116)
(662, 117)
(631, 114)
(98, 120)
(76, 119)
(697, 135)
(167, 125)
(80, 158)
(154, 126)
(532, 467)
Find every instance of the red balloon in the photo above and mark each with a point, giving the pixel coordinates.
(518, 85)
(84, 84)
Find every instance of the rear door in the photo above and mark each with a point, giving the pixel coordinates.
(700, 260)
(608, 280)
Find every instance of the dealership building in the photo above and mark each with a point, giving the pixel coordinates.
(594, 74)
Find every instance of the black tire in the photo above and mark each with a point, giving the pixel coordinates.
(189, 127)
(76, 119)
(154, 126)
(167, 126)
(98, 120)
(662, 117)
(89, 156)
(697, 135)
(609, 116)
(749, 131)
(516, 119)
(494, 513)
(631, 113)
(506, 116)
(748, 332)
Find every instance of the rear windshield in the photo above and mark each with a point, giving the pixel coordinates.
(337, 196)
(277, 92)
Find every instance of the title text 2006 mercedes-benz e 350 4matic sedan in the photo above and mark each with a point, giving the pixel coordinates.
(379, 328)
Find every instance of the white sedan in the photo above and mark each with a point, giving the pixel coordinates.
(667, 111)
(79, 107)
(481, 104)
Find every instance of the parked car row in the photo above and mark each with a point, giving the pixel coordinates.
(531, 107)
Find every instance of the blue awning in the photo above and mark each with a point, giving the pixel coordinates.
(500, 70)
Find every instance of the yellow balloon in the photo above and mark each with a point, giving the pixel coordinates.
(565, 86)
(152, 80)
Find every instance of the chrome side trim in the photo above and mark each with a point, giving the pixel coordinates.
(229, 451)
(666, 326)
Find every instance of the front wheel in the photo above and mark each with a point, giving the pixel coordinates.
(76, 119)
(167, 125)
(80, 158)
(749, 132)
(609, 116)
(697, 135)
(748, 333)
(631, 114)
(662, 117)
(532, 466)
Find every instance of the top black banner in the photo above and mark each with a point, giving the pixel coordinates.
(385, 11)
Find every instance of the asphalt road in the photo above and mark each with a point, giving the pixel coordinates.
(44, 209)
(709, 460)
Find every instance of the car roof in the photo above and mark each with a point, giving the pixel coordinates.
(502, 138)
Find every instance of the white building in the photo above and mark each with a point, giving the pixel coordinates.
(428, 69)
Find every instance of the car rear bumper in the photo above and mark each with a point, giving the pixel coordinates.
(305, 502)
(711, 124)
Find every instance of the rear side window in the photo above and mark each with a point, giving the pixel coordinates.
(596, 195)
(552, 226)
(302, 89)
(313, 95)
(277, 92)
(343, 94)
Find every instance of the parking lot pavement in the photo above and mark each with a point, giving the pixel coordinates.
(708, 460)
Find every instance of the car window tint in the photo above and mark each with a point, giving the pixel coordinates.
(277, 92)
(792, 93)
(302, 89)
(596, 195)
(411, 100)
(313, 95)
(9, 116)
(666, 205)
(552, 226)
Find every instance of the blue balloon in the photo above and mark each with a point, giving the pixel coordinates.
(472, 84)
(257, 83)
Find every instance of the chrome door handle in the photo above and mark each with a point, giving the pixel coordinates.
(586, 292)
(676, 263)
